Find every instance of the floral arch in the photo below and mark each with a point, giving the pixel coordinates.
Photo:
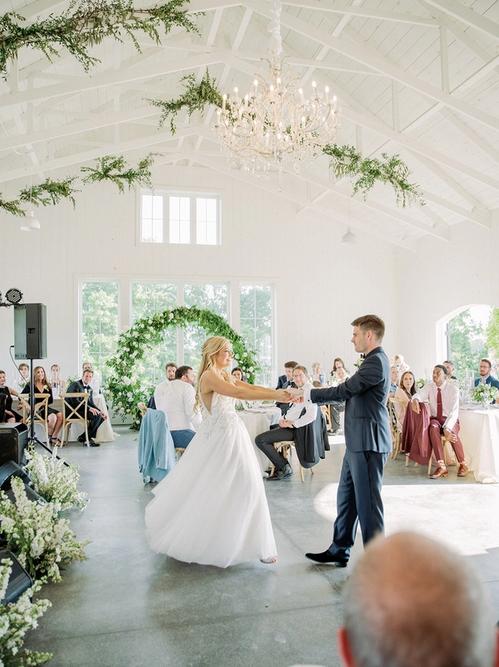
(126, 392)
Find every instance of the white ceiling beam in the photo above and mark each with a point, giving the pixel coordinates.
(472, 135)
(468, 16)
(345, 8)
(444, 60)
(359, 51)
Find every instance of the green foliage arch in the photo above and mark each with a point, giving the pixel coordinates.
(127, 392)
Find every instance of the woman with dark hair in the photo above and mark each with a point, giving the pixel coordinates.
(403, 395)
(338, 363)
(9, 415)
(238, 374)
(54, 417)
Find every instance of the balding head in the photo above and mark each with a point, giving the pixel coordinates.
(411, 602)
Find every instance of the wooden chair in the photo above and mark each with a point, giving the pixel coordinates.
(394, 429)
(326, 411)
(449, 455)
(40, 415)
(285, 447)
(70, 414)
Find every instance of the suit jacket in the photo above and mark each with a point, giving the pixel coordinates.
(367, 426)
(282, 382)
(76, 387)
(311, 441)
(490, 380)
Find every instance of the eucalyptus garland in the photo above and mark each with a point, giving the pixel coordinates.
(111, 168)
(345, 160)
(87, 23)
(127, 392)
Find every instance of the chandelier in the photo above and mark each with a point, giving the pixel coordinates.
(274, 125)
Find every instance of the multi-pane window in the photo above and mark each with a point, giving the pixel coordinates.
(99, 323)
(214, 297)
(180, 218)
(151, 215)
(256, 317)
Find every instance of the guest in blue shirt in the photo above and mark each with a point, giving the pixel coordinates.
(485, 376)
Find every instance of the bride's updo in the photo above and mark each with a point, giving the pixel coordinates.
(211, 347)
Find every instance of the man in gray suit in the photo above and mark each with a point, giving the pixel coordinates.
(368, 442)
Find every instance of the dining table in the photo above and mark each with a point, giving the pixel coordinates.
(480, 437)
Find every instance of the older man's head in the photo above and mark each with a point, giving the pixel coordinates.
(412, 602)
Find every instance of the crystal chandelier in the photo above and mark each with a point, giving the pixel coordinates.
(274, 125)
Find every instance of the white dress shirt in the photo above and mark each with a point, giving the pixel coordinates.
(450, 401)
(294, 412)
(177, 398)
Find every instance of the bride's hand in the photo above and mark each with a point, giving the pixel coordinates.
(283, 396)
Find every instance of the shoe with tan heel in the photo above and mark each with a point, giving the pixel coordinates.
(463, 470)
(441, 471)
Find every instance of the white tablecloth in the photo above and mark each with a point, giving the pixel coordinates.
(257, 421)
(480, 437)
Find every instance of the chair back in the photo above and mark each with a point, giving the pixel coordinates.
(73, 404)
(40, 410)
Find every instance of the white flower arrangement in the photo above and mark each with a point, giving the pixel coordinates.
(55, 481)
(420, 383)
(16, 619)
(484, 394)
(41, 540)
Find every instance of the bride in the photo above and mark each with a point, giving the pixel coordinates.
(212, 509)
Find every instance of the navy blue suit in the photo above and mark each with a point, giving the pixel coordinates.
(368, 443)
(490, 380)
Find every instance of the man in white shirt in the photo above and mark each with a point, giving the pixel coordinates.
(177, 398)
(297, 416)
(442, 397)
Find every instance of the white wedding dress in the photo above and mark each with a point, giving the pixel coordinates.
(212, 509)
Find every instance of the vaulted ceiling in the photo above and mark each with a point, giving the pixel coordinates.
(414, 77)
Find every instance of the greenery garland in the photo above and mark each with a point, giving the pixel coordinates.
(126, 392)
(111, 168)
(345, 160)
(87, 23)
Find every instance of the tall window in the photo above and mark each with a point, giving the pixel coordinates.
(149, 298)
(469, 338)
(180, 218)
(99, 323)
(213, 297)
(256, 309)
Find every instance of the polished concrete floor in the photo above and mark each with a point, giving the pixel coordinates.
(128, 606)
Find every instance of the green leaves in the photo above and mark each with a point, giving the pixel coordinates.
(87, 23)
(366, 172)
(196, 97)
(111, 168)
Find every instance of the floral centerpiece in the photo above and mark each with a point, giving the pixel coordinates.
(420, 383)
(56, 481)
(485, 394)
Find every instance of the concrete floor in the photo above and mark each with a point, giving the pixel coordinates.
(128, 606)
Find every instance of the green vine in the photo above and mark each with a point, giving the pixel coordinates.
(112, 168)
(194, 98)
(87, 23)
(126, 392)
(345, 160)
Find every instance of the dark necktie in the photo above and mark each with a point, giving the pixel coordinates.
(440, 408)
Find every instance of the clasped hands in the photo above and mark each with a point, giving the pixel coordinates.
(290, 395)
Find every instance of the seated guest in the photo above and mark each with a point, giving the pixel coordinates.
(54, 417)
(449, 367)
(390, 619)
(297, 417)
(317, 374)
(335, 407)
(94, 416)
(24, 378)
(337, 364)
(170, 369)
(56, 382)
(485, 376)
(285, 381)
(177, 399)
(9, 415)
(403, 396)
(238, 374)
(96, 378)
(394, 380)
(398, 361)
(443, 399)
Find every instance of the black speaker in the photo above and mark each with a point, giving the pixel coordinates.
(13, 441)
(10, 470)
(30, 331)
(19, 580)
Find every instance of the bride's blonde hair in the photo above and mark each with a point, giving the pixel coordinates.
(211, 347)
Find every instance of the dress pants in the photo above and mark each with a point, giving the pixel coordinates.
(182, 437)
(265, 442)
(358, 500)
(334, 410)
(435, 432)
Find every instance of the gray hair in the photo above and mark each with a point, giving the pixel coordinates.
(412, 602)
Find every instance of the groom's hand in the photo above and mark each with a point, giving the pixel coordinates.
(296, 395)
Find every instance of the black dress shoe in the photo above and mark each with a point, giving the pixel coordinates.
(92, 443)
(81, 438)
(328, 557)
(283, 473)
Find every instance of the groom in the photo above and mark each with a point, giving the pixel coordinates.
(368, 441)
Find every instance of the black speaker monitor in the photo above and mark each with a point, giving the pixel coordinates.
(30, 331)
(13, 441)
(19, 580)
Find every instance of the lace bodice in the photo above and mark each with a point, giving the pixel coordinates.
(219, 405)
